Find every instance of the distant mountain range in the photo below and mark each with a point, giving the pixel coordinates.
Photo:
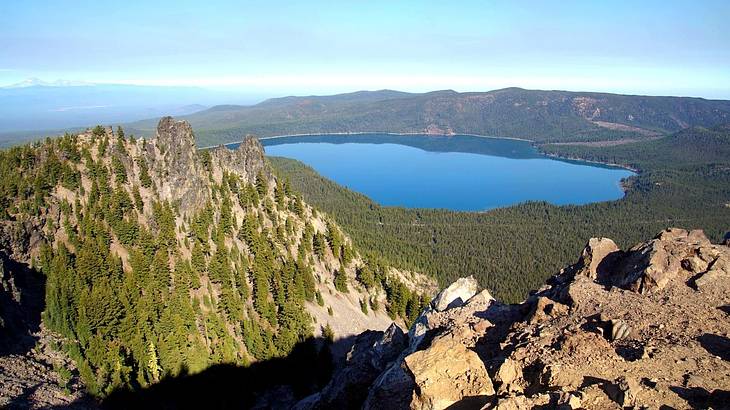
(541, 116)
(34, 108)
(32, 82)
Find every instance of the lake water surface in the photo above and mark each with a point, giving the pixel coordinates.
(461, 172)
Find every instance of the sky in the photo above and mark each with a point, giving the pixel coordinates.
(321, 47)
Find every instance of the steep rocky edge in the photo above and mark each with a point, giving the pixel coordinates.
(648, 327)
(150, 259)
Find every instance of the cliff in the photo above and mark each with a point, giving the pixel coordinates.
(647, 327)
(125, 262)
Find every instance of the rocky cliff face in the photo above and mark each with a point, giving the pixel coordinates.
(176, 164)
(182, 174)
(643, 328)
(247, 160)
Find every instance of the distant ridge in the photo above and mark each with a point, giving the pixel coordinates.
(536, 115)
(36, 82)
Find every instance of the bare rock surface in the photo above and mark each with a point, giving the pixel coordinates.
(441, 383)
(246, 161)
(371, 353)
(180, 173)
(177, 169)
(597, 254)
(645, 334)
(455, 294)
(642, 328)
(30, 380)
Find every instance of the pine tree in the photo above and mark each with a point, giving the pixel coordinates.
(341, 281)
(262, 185)
(153, 366)
(328, 333)
(144, 176)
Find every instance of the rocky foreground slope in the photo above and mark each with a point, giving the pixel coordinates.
(648, 327)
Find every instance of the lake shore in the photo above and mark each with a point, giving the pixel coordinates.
(312, 134)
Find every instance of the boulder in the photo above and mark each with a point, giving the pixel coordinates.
(596, 258)
(482, 298)
(568, 401)
(671, 234)
(719, 269)
(623, 391)
(515, 403)
(708, 253)
(474, 314)
(389, 346)
(508, 375)
(647, 267)
(393, 389)
(456, 294)
(555, 376)
(545, 309)
(447, 372)
(697, 236)
(694, 264)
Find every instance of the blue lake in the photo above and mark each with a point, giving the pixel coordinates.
(464, 173)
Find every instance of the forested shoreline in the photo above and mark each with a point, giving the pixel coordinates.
(512, 250)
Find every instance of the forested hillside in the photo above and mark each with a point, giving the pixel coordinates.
(692, 147)
(159, 259)
(542, 116)
(685, 181)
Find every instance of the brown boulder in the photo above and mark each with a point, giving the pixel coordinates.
(516, 403)
(545, 309)
(509, 375)
(697, 236)
(623, 391)
(596, 257)
(447, 372)
(671, 234)
(718, 269)
(647, 267)
(694, 264)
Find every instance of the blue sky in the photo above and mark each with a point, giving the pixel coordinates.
(318, 47)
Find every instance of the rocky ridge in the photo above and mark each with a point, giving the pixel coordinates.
(642, 328)
(168, 186)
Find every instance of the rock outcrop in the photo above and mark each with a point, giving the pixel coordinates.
(246, 161)
(648, 267)
(181, 174)
(178, 170)
(455, 294)
(646, 327)
(441, 383)
(371, 353)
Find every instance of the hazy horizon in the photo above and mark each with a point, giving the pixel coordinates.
(258, 97)
(275, 49)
